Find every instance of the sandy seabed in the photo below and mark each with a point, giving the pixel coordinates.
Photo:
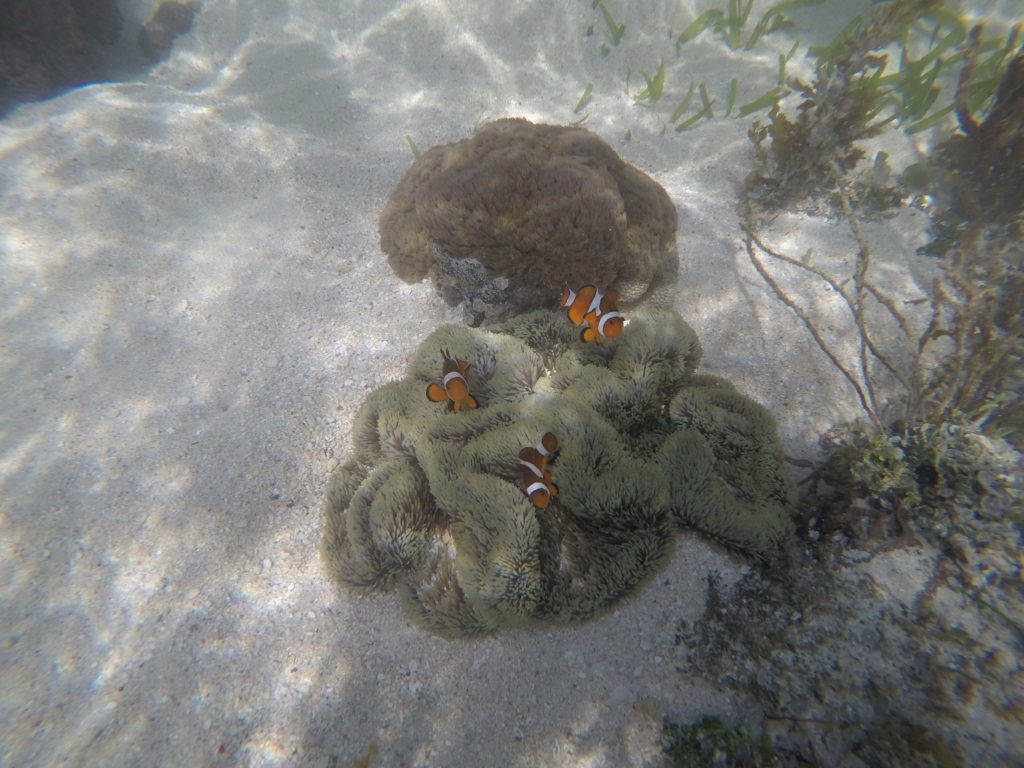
(194, 302)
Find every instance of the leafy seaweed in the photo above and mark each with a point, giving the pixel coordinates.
(710, 18)
(766, 99)
(678, 112)
(976, 326)
(735, 17)
(412, 147)
(655, 85)
(731, 100)
(842, 105)
(731, 20)
(615, 29)
(705, 111)
(774, 18)
(584, 99)
(709, 742)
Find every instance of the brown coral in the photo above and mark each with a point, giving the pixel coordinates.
(503, 219)
(169, 21)
(49, 45)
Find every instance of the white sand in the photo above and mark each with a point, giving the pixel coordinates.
(194, 303)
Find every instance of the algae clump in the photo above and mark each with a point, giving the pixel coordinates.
(429, 503)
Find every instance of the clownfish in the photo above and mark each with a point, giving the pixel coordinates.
(579, 304)
(595, 309)
(601, 325)
(534, 475)
(454, 388)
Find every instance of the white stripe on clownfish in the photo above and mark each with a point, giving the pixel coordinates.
(547, 445)
(451, 376)
(539, 486)
(534, 475)
(456, 388)
(605, 318)
(606, 326)
(532, 467)
(595, 304)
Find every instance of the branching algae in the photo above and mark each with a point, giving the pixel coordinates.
(976, 297)
(940, 386)
(431, 504)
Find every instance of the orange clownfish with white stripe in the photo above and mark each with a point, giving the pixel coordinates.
(454, 388)
(602, 325)
(534, 475)
(594, 309)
